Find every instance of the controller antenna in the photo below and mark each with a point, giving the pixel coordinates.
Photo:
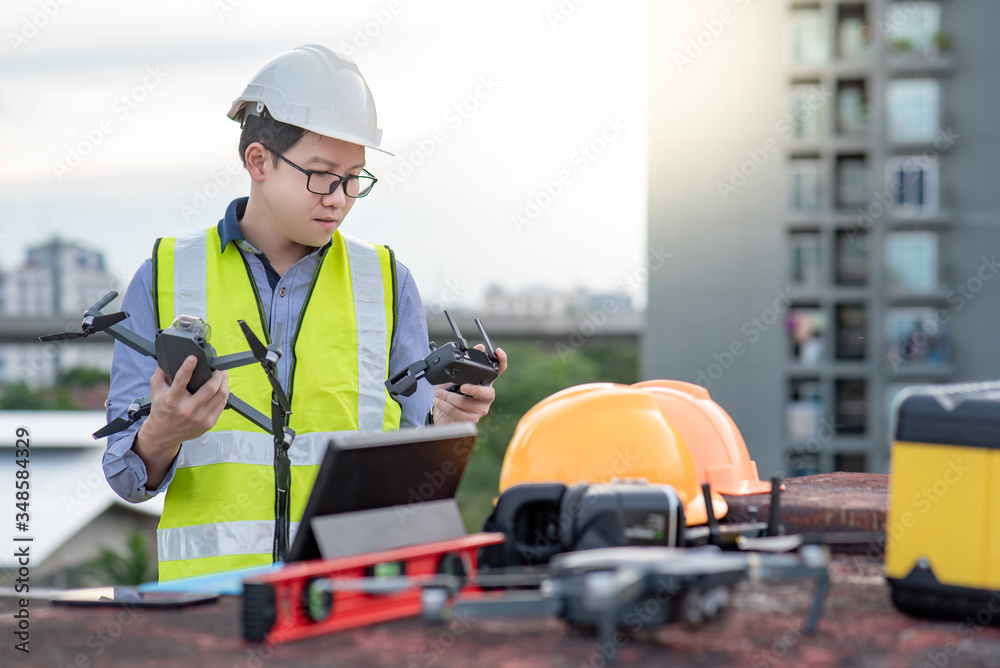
(463, 345)
(490, 352)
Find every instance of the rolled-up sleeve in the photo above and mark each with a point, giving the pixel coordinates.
(130, 374)
(409, 346)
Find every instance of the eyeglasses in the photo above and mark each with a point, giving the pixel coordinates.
(325, 183)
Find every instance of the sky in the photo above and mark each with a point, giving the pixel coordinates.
(519, 130)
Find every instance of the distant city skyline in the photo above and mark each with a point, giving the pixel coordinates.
(519, 133)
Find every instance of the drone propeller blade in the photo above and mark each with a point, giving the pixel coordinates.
(65, 336)
(113, 427)
(102, 322)
(259, 349)
(279, 394)
(277, 421)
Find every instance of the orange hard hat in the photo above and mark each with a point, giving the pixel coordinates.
(566, 393)
(719, 452)
(599, 432)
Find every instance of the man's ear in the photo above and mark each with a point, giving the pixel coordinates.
(257, 158)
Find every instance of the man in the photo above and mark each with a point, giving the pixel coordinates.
(351, 315)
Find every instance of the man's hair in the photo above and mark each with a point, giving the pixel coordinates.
(273, 134)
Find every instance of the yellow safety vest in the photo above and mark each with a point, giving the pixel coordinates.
(219, 511)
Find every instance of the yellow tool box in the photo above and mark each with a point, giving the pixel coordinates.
(943, 529)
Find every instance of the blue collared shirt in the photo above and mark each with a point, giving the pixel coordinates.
(283, 298)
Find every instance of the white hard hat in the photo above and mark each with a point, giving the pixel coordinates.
(313, 88)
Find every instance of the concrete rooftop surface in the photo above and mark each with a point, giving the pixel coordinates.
(762, 628)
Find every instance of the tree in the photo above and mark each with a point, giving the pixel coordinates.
(68, 395)
(133, 567)
(20, 397)
(85, 377)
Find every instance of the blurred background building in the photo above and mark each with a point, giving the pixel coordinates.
(55, 283)
(74, 516)
(825, 175)
(562, 320)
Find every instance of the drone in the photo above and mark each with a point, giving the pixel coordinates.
(454, 362)
(186, 336)
(619, 589)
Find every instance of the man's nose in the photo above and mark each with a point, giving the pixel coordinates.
(337, 198)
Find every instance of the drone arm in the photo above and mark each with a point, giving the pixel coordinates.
(812, 561)
(819, 596)
(250, 413)
(137, 343)
(232, 361)
(511, 604)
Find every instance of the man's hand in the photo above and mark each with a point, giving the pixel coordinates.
(454, 407)
(176, 415)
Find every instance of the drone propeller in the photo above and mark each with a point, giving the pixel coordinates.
(113, 427)
(91, 325)
(268, 357)
(65, 336)
(136, 410)
(277, 418)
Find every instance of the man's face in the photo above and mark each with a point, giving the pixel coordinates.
(303, 217)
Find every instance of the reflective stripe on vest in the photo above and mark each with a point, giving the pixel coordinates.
(241, 447)
(208, 540)
(222, 496)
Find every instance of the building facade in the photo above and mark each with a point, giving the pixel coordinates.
(824, 173)
(55, 284)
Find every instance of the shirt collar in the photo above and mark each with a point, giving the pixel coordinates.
(229, 227)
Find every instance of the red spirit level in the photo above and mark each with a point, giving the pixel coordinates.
(313, 597)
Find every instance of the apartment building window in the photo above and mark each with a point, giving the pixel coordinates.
(851, 408)
(911, 260)
(853, 31)
(852, 107)
(809, 36)
(805, 327)
(853, 189)
(804, 409)
(914, 27)
(915, 335)
(806, 258)
(851, 257)
(852, 323)
(807, 104)
(850, 462)
(806, 190)
(913, 109)
(913, 182)
(801, 461)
